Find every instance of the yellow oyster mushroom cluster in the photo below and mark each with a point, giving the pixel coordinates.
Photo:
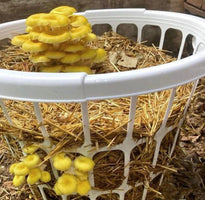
(75, 176)
(28, 169)
(57, 41)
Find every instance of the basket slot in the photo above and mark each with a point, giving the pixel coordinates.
(39, 117)
(101, 28)
(128, 30)
(172, 41)
(151, 35)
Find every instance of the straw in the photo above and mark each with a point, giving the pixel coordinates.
(108, 118)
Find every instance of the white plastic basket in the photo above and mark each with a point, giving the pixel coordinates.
(80, 87)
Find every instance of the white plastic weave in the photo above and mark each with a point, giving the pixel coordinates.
(80, 87)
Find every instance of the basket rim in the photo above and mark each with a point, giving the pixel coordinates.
(79, 87)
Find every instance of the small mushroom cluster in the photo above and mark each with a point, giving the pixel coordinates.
(28, 169)
(57, 41)
(75, 177)
(74, 174)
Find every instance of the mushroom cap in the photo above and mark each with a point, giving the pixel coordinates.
(59, 155)
(52, 39)
(61, 162)
(74, 68)
(83, 187)
(73, 48)
(47, 19)
(63, 10)
(55, 54)
(12, 167)
(67, 184)
(21, 169)
(45, 176)
(70, 58)
(88, 54)
(34, 47)
(20, 39)
(56, 68)
(34, 35)
(32, 160)
(79, 32)
(39, 58)
(33, 20)
(56, 189)
(100, 55)
(30, 149)
(90, 37)
(78, 20)
(82, 176)
(34, 176)
(18, 180)
(84, 164)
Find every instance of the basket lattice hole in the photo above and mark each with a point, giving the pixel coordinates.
(128, 30)
(24, 121)
(141, 163)
(150, 113)
(151, 35)
(188, 46)
(179, 103)
(108, 121)
(109, 169)
(165, 149)
(134, 193)
(77, 197)
(50, 194)
(99, 29)
(172, 41)
(111, 196)
(63, 122)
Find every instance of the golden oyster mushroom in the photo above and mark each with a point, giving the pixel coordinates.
(34, 176)
(74, 68)
(78, 20)
(61, 162)
(54, 69)
(52, 39)
(47, 19)
(63, 10)
(21, 169)
(39, 58)
(20, 39)
(32, 160)
(83, 187)
(34, 47)
(67, 184)
(70, 58)
(83, 164)
(18, 180)
(79, 32)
